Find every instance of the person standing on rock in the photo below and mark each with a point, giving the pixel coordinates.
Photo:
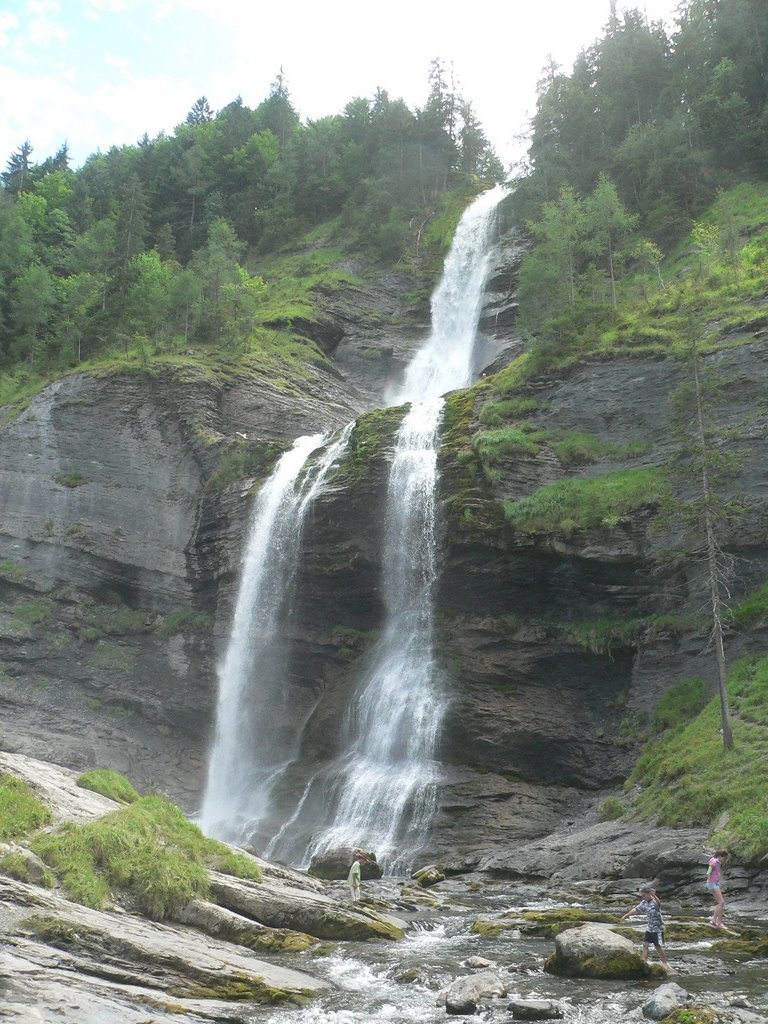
(353, 878)
(714, 872)
(654, 927)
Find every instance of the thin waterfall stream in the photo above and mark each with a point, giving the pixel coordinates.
(248, 753)
(381, 791)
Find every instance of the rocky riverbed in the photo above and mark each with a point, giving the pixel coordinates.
(290, 948)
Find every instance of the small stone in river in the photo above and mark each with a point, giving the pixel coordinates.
(664, 1000)
(535, 1009)
(477, 962)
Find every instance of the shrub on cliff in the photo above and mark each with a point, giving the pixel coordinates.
(108, 783)
(20, 810)
(147, 851)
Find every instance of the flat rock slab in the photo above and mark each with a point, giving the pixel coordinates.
(175, 961)
(282, 906)
(36, 988)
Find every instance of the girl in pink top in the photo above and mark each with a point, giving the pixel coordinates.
(713, 885)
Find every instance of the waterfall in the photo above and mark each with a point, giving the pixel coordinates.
(381, 792)
(249, 751)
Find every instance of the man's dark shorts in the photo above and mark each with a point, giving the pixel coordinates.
(654, 938)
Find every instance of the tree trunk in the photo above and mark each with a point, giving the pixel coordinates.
(712, 565)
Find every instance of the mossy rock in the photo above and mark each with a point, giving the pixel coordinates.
(551, 922)
(694, 1014)
(492, 929)
(240, 988)
(430, 875)
(594, 951)
(271, 940)
(749, 948)
(54, 931)
(340, 927)
(618, 965)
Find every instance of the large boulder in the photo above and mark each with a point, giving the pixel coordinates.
(277, 905)
(335, 864)
(594, 951)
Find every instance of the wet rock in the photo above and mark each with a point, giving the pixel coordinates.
(27, 866)
(119, 947)
(334, 864)
(283, 906)
(464, 995)
(225, 924)
(593, 951)
(535, 1009)
(664, 1000)
(478, 963)
(430, 875)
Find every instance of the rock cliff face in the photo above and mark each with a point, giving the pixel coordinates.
(123, 508)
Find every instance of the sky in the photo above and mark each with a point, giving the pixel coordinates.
(102, 73)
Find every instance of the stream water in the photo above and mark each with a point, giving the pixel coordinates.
(400, 982)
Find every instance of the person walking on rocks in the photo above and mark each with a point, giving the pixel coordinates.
(353, 878)
(650, 905)
(714, 872)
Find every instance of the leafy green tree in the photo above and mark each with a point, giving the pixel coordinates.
(240, 300)
(607, 223)
(216, 265)
(706, 241)
(147, 301)
(80, 297)
(651, 254)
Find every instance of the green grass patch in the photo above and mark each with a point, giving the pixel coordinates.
(680, 705)
(108, 783)
(496, 412)
(495, 446)
(602, 635)
(112, 657)
(21, 812)
(611, 809)
(147, 851)
(185, 620)
(687, 778)
(576, 449)
(569, 505)
(71, 480)
(113, 620)
(372, 434)
(31, 613)
(246, 460)
(12, 571)
(752, 609)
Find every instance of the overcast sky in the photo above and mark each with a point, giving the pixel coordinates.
(98, 73)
